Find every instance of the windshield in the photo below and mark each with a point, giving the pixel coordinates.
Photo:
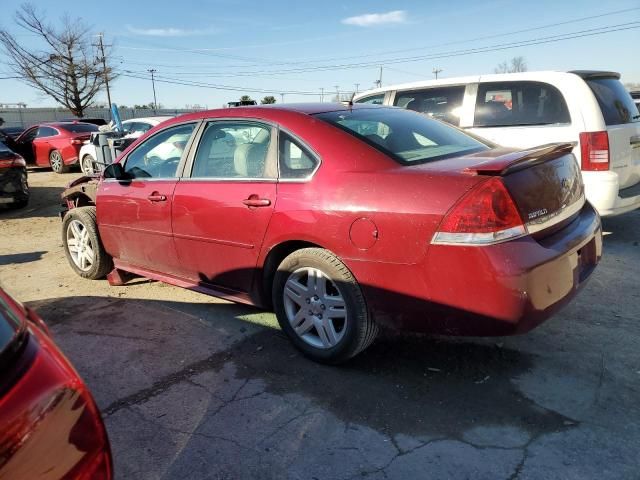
(80, 127)
(408, 137)
(615, 102)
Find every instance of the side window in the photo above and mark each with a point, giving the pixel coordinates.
(440, 103)
(141, 127)
(230, 149)
(29, 136)
(127, 126)
(295, 160)
(159, 155)
(373, 99)
(46, 132)
(506, 104)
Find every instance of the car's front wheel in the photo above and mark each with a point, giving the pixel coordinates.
(82, 244)
(320, 306)
(86, 165)
(56, 162)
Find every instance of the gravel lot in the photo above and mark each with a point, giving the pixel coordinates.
(192, 387)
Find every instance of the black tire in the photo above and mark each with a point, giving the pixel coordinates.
(86, 165)
(102, 262)
(23, 200)
(359, 328)
(57, 162)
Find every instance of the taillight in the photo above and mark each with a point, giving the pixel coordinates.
(486, 214)
(76, 141)
(594, 148)
(17, 161)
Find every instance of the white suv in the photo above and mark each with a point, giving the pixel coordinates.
(590, 108)
(132, 129)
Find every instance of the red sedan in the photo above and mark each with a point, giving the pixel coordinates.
(50, 427)
(54, 145)
(341, 219)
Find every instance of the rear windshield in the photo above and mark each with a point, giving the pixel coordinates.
(408, 137)
(80, 127)
(10, 327)
(615, 102)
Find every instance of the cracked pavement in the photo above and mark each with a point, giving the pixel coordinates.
(192, 387)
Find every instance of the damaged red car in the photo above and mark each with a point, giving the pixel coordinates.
(342, 218)
(50, 426)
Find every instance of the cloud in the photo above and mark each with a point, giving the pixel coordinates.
(170, 31)
(373, 19)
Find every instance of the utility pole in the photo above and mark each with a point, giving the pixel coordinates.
(357, 85)
(436, 71)
(379, 81)
(321, 94)
(282, 97)
(337, 93)
(104, 68)
(153, 84)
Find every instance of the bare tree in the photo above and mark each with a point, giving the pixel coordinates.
(517, 64)
(65, 69)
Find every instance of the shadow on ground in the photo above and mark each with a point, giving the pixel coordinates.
(43, 202)
(419, 386)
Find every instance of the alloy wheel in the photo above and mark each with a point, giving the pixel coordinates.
(56, 161)
(79, 245)
(315, 308)
(87, 165)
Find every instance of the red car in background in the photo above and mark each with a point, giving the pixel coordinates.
(50, 426)
(342, 218)
(54, 145)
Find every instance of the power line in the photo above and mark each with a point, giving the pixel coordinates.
(450, 54)
(210, 52)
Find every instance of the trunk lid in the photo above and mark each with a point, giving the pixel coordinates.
(544, 182)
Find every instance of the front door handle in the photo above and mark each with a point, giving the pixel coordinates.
(156, 197)
(256, 201)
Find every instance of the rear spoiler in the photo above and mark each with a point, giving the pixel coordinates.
(593, 74)
(512, 162)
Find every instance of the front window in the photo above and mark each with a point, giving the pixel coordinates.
(508, 104)
(159, 155)
(440, 103)
(408, 137)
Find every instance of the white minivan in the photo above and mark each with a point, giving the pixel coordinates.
(590, 108)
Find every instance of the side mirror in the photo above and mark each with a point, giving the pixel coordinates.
(115, 171)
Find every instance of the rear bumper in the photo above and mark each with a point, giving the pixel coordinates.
(602, 189)
(500, 289)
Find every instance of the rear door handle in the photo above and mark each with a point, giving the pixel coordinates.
(256, 201)
(156, 197)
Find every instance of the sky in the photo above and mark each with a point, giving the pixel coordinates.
(230, 48)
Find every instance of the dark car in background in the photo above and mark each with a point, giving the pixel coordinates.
(56, 145)
(50, 426)
(11, 132)
(14, 187)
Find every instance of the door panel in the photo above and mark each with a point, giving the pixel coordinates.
(217, 236)
(136, 228)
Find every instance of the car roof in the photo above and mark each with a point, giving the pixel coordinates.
(491, 77)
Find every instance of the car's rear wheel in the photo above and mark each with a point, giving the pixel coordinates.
(56, 162)
(86, 165)
(82, 244)
(320, 306)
